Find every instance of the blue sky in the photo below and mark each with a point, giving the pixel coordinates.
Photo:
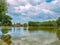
(33, 10)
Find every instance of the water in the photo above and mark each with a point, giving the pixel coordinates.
(30, 36)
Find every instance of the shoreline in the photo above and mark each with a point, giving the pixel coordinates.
(2, 42)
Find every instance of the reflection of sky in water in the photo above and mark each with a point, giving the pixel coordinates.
(38, 36)
(0, 32)
(20, 32)
(46, 37)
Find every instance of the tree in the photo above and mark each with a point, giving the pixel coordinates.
(58, 21)
(4, 19)
(25, 24)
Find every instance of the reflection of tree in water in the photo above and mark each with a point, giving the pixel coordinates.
(58, 34)
(18, 28)
(6, 38)
(5, 30)
(25, 28)
(50, 30)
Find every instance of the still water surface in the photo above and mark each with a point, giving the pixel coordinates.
(29, 36)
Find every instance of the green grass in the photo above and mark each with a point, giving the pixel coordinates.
(1, 43)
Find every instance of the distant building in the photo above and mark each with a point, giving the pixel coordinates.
(17, 25)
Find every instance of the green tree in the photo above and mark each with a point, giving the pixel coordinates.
(25, 24)
(4, 19)
(58, 21)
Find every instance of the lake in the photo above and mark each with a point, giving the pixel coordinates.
(30, 36)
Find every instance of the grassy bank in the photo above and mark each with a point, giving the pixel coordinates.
(2, 42)
(43, 28)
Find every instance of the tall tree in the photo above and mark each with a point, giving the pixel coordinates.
(4, 19)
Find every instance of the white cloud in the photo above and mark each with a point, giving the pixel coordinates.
(35, 8)
(21, 9)
(48, 11)
(54, 2)
(12, 2)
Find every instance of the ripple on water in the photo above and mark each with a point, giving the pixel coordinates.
(31, 40)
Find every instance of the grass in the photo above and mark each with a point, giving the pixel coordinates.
(1, 43)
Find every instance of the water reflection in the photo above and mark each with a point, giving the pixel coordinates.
(5, 36)
(30, 35)
(50, 30)
(5, 30)
(6, 39)
(25, 28)
(58, 34)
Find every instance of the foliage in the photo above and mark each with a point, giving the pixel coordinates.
(46, 23)
(30, 23)
(25, 24)
(58, 21)
(4, 19)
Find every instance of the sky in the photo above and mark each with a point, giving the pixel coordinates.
(23, 11)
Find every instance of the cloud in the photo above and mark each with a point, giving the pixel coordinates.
(36, 10)
(12, 2)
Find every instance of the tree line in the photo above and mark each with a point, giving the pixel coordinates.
(45, 23)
